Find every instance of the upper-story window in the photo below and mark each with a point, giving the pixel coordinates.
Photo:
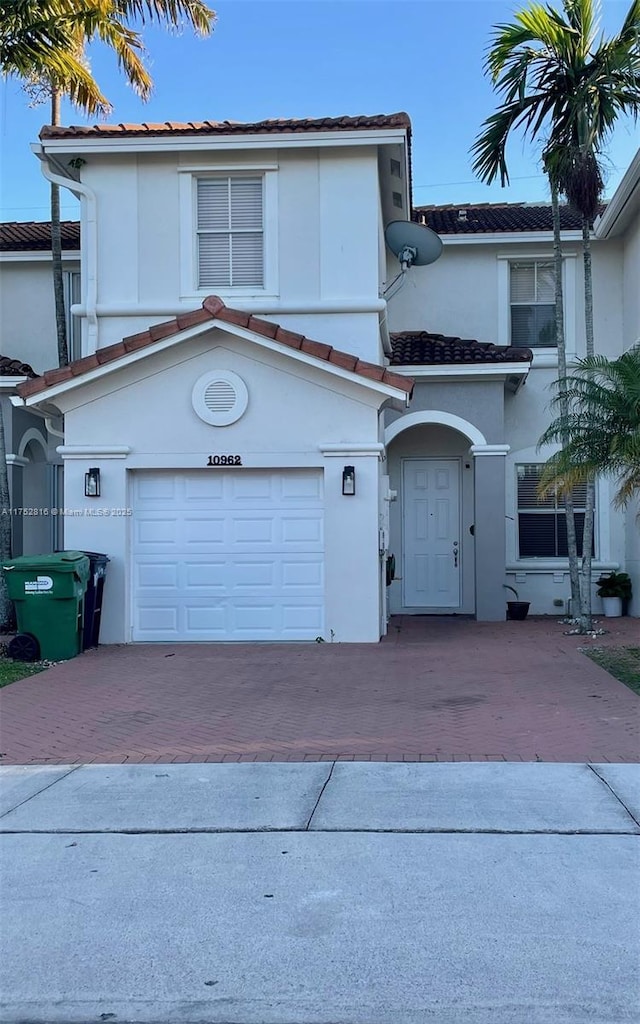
(230, 232)
(532, 304)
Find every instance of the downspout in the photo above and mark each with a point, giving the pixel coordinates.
(384, 334)
(89, 245)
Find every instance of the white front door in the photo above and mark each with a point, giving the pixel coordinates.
(431, 570)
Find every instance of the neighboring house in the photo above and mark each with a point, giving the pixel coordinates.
(244, 391)
(27, 335)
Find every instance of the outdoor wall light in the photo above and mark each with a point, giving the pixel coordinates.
(92, 483)
(349, 480)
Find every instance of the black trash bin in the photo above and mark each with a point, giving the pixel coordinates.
(93, 599)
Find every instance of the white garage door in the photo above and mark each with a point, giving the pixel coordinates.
(228, 555)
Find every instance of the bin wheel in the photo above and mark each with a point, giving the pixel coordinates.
(24, 647)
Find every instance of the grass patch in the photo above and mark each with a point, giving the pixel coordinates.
(11, 671)
(621, 662)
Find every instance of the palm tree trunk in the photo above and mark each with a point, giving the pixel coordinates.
(6, 606)
(56, 250)
(587, 535)
(572, 547)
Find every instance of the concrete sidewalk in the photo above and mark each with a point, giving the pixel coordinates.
(320, 893)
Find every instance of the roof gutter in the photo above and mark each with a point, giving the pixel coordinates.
(89, 244)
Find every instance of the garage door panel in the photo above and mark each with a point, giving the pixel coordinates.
(157, 620)
(232, 555)
(203, 530)
(151, 576)
(159, 531)
(202, 486)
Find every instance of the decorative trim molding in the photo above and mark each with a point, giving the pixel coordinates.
(434, 416)
(17, 460)
(490, 449)
(357, 449)
(32, 434)
(100, 451)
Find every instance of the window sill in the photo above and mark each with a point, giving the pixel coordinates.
(545, 565)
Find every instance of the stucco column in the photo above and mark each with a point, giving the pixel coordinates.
(352, 560)
(489, 530)
(15, 466)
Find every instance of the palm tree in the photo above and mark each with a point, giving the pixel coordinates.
(559, 79)
(79, 22)
(603, 427)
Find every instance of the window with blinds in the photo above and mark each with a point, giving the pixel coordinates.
(230, 229)
(533, 304)
(542, 522)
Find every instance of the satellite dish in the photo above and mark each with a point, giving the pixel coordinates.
(415, 245)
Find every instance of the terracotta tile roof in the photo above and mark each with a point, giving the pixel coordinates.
(487, 218)
(273, 126)
(30, 236)
(413, 348)
(14, 368)
(214, 308)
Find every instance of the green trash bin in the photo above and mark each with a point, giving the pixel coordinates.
(48, 593)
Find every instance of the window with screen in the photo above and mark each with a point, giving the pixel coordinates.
(542, 522)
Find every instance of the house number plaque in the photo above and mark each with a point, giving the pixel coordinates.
(224, 460)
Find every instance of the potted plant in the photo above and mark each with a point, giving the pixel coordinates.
(615, 590)
(516, 609)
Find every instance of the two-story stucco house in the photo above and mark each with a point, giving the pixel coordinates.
(266, 417)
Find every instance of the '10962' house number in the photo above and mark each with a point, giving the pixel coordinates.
(224, 460)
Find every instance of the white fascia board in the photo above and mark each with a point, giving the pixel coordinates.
(220, 143)
(508, 237)
(37, 256)
(471, 371)
(8, 383)
(607, 224)
(192, 332)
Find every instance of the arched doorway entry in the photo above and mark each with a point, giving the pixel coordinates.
(37, 526)
(431, 523)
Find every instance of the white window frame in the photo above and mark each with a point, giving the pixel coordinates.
(542, 357)
(601, 526)
(188, 179)
(557, 510)
(73, 323)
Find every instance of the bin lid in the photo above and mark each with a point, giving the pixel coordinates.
(61, 561)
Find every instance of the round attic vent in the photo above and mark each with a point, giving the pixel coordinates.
(220, 397)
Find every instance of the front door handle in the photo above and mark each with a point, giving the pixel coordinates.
(455, 554)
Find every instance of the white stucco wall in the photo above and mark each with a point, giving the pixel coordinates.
(631, 285)
(27, 313)
(462, 293)
(293, 410)
(321, 237)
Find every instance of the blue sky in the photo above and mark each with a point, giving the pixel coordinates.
(311, 58)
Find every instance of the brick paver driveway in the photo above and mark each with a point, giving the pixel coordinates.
(435, 689)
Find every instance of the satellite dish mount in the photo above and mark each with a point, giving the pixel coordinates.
(413, 245)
